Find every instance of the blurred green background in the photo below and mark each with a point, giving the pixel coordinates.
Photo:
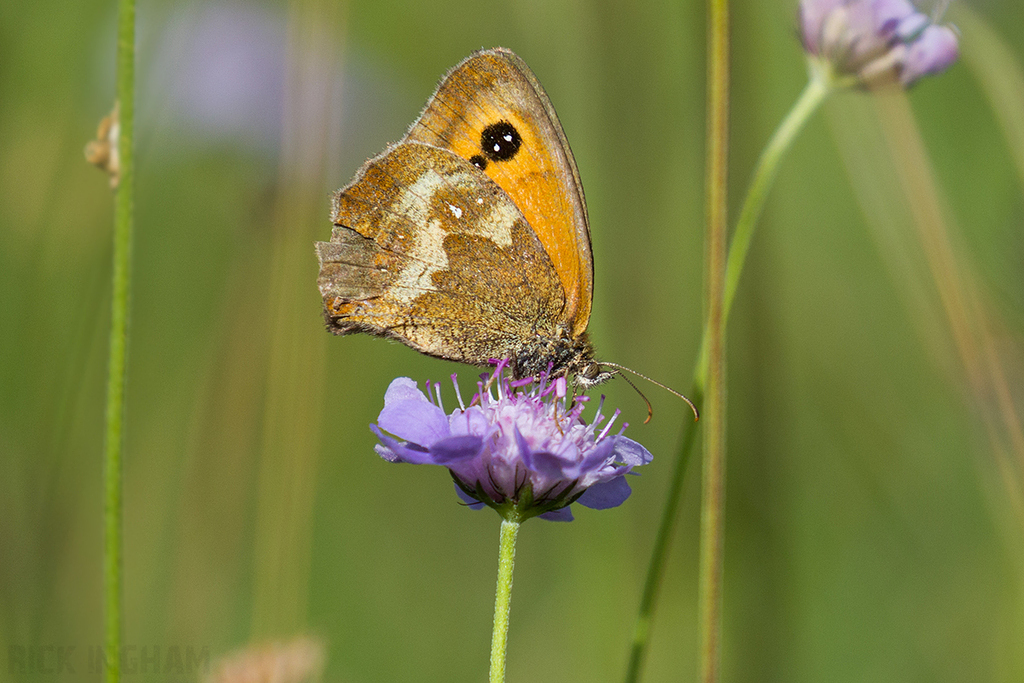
(873, 525)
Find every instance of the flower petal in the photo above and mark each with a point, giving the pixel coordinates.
(606, 495)
(598, 457)
(911, 27)
(471, 421)
(525, 453)
(469, 500)
(933, 52)
(630, 452)
(888, 14)
(410, 416)
(386, 453)
(559, 515)
(410, 453)
(548, 465)
(402, 389)
(812, 21)
(456, 448)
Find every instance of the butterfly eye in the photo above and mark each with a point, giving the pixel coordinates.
(500, 141)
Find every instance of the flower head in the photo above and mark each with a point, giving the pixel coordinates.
(520, 447)
(876, 41)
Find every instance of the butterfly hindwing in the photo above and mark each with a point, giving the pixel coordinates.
(430, 251)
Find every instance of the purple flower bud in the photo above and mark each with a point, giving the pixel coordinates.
(875, 41)
(932, 53)
(812, 22)
(520, 445)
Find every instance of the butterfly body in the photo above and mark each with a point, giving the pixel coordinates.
(468, 239)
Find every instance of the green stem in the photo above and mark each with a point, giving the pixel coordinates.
(817, 90)
(656, 567)
(814, 94)
(114, 438)
(503, 597)
(712, 514)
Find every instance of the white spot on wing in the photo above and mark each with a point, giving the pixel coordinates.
(456, 211)
(501, 214)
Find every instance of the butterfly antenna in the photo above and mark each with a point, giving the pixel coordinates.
(650, 410)
(696, 414)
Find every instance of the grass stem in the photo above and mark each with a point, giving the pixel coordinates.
(120, 299)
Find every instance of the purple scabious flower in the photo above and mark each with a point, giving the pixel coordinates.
(875, 42)
(520, 447)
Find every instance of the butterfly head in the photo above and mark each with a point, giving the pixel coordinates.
(593, 373)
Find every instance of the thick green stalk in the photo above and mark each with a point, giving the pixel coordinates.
(503, 597)
(114, 438)
(814, 94)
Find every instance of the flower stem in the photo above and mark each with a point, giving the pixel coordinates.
(712, 515)
(503, 598)
(814, 94)
(817, 90)
(114, 437)
(656, 567)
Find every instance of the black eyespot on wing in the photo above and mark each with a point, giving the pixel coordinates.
(478, 161)
(500, 141)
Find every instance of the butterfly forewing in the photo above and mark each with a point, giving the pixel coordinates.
(491, 111)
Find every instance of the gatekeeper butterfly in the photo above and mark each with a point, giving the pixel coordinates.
(469, 239)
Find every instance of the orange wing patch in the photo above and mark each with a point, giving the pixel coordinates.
(491, 111)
